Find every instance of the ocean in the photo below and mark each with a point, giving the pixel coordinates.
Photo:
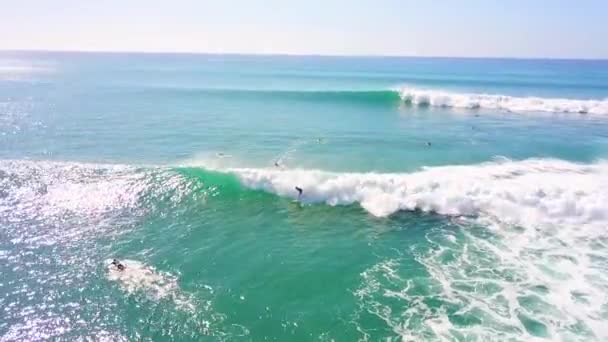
(442, 198)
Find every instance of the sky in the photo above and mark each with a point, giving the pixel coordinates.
(467, 28)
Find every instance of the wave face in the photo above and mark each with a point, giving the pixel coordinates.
(413, 97)
(369, 97)
(438, 98)
(422, 98)
(534, 191)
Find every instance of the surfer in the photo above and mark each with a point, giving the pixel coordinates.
(279, 164)
(119, 266)
(428, 143)
(299, 190)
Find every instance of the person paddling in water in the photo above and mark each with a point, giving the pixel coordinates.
(118, 265)
(299, 190)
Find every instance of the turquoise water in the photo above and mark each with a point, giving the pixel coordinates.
(443, 199)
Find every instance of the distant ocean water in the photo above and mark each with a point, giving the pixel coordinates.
(443, 199)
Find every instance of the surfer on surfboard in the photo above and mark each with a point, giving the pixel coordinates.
(119, 266)
(299, 190)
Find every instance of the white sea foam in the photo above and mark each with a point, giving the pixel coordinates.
(537, 271)
(529, 192)
(513, 284)
(439, 98)
(138, 277)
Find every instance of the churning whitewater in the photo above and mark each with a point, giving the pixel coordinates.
(440, 98)
(528, 192)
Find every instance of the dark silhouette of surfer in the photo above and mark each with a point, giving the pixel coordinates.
(300, 191)
(119, 266)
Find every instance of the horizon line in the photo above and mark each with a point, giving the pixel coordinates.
(287, 54)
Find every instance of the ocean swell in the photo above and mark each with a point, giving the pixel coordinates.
(409, 96)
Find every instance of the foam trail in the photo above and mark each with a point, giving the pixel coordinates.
(157, 285)
(439, 98)
(534, 191)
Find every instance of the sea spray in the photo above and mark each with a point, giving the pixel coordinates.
(440, 98)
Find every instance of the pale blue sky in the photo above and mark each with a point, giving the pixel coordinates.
(506, 28)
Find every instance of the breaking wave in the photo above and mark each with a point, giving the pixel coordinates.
(438, 98)
(534, 191)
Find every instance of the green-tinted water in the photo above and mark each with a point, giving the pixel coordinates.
(435, 213)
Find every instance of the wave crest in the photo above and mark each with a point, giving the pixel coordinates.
(534, 191)
(438, 98)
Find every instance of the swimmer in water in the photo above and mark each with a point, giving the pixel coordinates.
(299, 190)
(118, 265)
(277, 164)
(428, 143)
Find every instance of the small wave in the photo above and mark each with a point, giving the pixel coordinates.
(438, 98)
(358, 96)
(407, 95)
(534, 191)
